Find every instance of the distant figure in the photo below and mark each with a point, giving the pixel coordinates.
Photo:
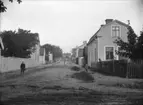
(86, 67)
(100, 63)
(22, 66)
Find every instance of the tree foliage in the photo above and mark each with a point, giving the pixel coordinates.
(132, 47)
(19, 44)
(140, 46)
(3, 7)
(55, 50)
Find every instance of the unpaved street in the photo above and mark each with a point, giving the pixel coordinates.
(53, 85)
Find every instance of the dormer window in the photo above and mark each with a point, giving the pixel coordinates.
(115, 31)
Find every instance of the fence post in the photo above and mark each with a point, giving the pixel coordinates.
(113, 65)
(127, 73)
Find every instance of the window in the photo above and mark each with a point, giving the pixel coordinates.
(115, 31)
(109, 51)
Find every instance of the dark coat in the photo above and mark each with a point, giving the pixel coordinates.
(22, 66)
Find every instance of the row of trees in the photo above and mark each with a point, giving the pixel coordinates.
(55, 50)
(19, 43)
(133, 48)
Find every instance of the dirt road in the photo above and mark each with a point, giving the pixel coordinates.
(52, 85)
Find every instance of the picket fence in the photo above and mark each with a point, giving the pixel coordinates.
(135, 69)
(120, 68)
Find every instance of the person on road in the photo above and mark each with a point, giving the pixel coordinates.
(86, 67)
(22, 67)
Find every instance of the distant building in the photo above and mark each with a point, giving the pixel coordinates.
(50, 57)
(73, 52)
(35, 55)
(67, 55)
(78, 53)
(80, 50)
(101, 45)
(42, 55)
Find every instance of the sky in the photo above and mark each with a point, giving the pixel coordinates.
(68, 23)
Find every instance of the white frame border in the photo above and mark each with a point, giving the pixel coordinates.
(105, 50)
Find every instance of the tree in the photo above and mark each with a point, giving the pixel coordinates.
(55, 50)
(3, 7)
(139, 51)
(129, 48)
(19, 44)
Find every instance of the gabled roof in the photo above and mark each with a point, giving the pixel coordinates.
(117, 21)
(81, 46)
(1, 44)
(95, 35)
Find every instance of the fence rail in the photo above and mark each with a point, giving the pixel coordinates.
(121, 68)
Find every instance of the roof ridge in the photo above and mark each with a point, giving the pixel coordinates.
(92, 38)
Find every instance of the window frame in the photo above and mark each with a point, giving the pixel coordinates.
(118, 35)
(105, 51)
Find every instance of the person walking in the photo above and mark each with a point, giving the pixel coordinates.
(22, 67)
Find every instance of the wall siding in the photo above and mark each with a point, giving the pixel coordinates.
(107, 40)
(92, 53)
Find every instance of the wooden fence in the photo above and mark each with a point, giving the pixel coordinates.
(135, 69)
(120, 68)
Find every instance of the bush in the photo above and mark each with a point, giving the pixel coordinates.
(75, 68)
(84, 76)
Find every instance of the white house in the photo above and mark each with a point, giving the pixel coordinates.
(50, 57)
(101, 45)
(79, 53)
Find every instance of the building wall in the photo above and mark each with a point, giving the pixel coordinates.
(80, 53)
(50, 57)
(42, 58)
(92, 53)
(11, 63)
(36, 54)
(107, 40)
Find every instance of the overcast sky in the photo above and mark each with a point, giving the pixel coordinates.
(69, 23)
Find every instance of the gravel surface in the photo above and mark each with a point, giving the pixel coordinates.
(53, 85)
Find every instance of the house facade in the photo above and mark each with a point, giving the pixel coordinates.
(79, 53)
(101, 45)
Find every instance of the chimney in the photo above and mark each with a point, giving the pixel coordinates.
(108, 20)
